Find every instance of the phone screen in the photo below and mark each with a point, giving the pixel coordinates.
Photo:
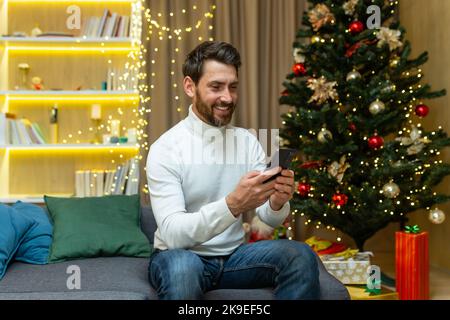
(282, 158)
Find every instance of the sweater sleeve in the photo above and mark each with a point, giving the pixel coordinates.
(265, 212)
(177, 227)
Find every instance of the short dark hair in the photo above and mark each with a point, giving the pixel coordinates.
(210, 50)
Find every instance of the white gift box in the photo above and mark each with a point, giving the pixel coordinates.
(349, 271)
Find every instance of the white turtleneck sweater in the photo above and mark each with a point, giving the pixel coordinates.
(190, 170)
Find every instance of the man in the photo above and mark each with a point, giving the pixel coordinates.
(198, 197)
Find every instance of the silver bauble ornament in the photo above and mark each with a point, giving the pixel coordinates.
(324, 136)
(376, 107)
(353, 75)
(436, 216)
(391, 190)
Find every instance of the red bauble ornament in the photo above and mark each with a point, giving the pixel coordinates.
(352, 127)
(375, 142)
(356, 27)
(304, 189)
(340, 199)
(299, 69)
(422, 110)
(285, 93)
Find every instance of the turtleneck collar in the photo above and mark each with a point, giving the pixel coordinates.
(193, 121)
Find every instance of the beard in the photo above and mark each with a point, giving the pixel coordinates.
(217, 119)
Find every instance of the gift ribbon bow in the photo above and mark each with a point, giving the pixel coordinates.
(412, 229)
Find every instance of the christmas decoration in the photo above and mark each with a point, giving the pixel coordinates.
(391, 190)
(337, 169)
(324, 136)
(315, 39)
(412, 229)
(298, 56)
(436, 216)
(349, 7)
(412, 265)
(311, 165)
(422, 110)
(340, 199)
(303, 189)
(389, 36)
(414, 141)
(356, 27)
(394, 62)
(340, 112)
(375, 142)
(352, 127)
(323, 90)
(319, 16)
(353, 75)
(377, 107)
(299, 69)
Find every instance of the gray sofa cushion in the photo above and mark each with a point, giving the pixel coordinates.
(101, 278)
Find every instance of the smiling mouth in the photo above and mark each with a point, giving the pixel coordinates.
(222, 108)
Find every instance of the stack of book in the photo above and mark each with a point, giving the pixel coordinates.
(110, 25)
(15, 131)
(97, 183)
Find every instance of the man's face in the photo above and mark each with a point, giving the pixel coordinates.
(216, 93)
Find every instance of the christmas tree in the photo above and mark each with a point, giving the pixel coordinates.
(356, 101)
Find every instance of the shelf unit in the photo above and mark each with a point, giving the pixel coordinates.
(73, 70)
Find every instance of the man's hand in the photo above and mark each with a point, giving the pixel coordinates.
(251, 191)
(284, 187)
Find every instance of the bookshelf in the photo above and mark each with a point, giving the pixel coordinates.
(78, 71)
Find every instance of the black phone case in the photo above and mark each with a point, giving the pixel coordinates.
(286, 156)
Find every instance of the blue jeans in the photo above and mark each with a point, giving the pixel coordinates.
(290, 267)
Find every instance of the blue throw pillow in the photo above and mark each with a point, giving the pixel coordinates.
(36, 243)
(13, 228)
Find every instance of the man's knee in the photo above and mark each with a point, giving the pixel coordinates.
(177, 263)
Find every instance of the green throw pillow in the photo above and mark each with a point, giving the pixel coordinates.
(93, 227)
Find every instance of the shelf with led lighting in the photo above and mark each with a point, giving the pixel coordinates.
(70, 94)
(25, 41)
(105, 106)
(78, 146)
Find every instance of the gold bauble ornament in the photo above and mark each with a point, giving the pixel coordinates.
(353, 75)
(376, 107)
(436, 216)
(315, 39)
(324, 136)
(394, 62)
(391, 190)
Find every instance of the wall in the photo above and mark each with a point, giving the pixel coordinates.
(427, 23)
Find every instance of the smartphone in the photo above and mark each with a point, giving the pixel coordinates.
(282, 158)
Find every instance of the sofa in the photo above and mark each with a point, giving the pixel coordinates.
(121, 278)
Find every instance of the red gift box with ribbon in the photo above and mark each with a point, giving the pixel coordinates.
(412, 265)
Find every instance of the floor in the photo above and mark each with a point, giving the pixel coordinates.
(439, 279)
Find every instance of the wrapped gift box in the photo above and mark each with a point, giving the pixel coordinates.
(349, 271)
(361, 293)
(412, 265)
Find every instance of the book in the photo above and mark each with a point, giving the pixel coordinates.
(101, 27)
(99, 183)
(3, 129)
(79, 184)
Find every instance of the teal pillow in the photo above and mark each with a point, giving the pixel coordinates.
(13, 229)
(36, 243)
(98, 226)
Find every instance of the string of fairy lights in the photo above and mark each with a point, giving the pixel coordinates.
(157, 34)
(136, 64)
